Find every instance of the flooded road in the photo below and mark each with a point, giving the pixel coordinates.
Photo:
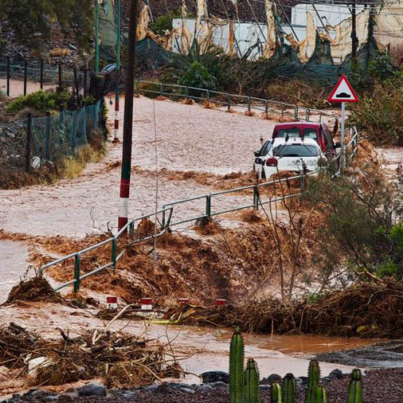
(211, 141)
(13, 265)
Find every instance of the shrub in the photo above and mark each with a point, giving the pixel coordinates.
(362, 223)
(41, 101)
(163, 23)
(380, 114)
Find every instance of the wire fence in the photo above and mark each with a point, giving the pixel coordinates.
(56, 136)
(32, 142)
(44, 74)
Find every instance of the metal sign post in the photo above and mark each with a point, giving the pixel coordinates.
(343, 143)
(343, 92)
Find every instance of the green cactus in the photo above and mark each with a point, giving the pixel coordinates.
(321, 395)
(251, 388)
(275, 393)
(288, 389)
(313, 382)
(355, 387)
(236, 359)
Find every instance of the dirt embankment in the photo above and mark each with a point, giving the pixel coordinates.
(217, 263)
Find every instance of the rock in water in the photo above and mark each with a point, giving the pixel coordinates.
(215, 376)
(92, 389)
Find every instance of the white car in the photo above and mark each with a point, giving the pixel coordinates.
(294, 154)
(260, 158)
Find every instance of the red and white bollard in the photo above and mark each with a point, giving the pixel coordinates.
(183, 301)
(116, 130)
(220, 302)
(112, 302)
(146, 304)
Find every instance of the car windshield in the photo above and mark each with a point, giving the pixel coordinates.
(295, 150)
(311, 134)
(283, 133)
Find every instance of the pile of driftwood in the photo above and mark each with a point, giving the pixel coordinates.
(121, 360)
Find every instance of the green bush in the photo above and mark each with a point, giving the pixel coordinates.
(198, 76)
(41, 101)
(163, 23)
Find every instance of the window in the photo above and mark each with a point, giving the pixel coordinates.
(291, 133)
(311, 134)
(296, 150)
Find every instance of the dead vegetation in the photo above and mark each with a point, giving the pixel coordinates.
(121, 360)
(365, 310)
(34, 289)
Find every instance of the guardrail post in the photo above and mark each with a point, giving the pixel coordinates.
(77, 273)
(41, 74)
(25, 76)
(266, 108)
(282, 111)
(187, 92)
(320, 117)
(28, 144)
(208, 95)
(256, 197)
(229, 102)
(131, 229)
(302, 183)
(249, 105)
(208, 206)
(138, 87)
(8, 76)
(47, 137)
(84, 122)
(161, 89)
(163, 216)
(60, 76)
(307, 115)
(114, 247)
(295, 112)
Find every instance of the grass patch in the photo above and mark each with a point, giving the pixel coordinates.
(73, 166)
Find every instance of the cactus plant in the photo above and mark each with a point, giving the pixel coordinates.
(355, 387)
(251, 388)
(321, 395)
(288, 389)
(313, 382)
(275, 393)
(236, 359)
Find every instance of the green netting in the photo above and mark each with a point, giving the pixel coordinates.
(60, 135)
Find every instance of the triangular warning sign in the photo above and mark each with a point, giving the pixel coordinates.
(343, 92)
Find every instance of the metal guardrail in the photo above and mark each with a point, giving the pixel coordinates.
(115, 256)
(230, 100)
(166, 223)
(50, 74)
(349, 154)
(208, 212)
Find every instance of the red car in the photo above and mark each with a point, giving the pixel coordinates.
(317, 131)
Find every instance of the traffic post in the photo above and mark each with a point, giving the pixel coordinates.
(343, 92)
(128, 120)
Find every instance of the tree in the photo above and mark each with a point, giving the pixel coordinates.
(32, 21)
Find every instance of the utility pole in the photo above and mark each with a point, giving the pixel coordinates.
(117, 90)
(96, 37)
(128, 120)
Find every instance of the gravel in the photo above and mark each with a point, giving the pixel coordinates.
(380, 386)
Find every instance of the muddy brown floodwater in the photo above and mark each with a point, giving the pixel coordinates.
(13, 265)
(198, 349)
(189, 138)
